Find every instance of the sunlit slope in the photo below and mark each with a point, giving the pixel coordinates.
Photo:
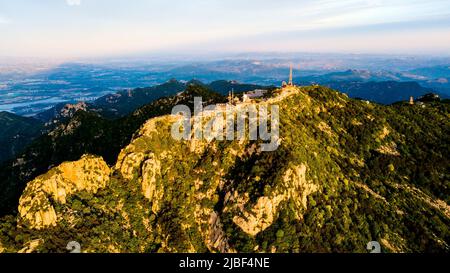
(346, 172)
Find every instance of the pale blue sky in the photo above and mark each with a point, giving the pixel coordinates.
(85, 28)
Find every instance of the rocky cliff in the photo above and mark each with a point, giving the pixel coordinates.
(345, 173)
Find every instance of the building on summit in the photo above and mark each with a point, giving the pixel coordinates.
(256, 94)
(245, 98)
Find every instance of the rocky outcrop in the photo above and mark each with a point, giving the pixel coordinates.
(295, 188)
(217, 239)
(203, 195)
(261, 216)
(298, 188)
(148, 168)
(31, 246)
(36, 209)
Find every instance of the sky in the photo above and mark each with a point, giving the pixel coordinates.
(90, 28)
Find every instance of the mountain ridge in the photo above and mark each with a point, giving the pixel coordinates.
(111, 107)
(17, 132)
(347, 172)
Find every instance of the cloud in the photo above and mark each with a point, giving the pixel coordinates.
(73, 2)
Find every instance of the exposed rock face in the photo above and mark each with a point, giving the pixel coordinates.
(217, 238)
(36, 204)
(69, 109)
(169, 195)
(147, 167)
(31, 246)
(152, 187)
(260, 216)
(295, 188)
(298, 188)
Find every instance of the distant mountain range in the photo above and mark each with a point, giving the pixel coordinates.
(122, 103)
(382, 92)
(32, 93)
(119, 104)
(16, 133)
(20, 131)
(86, 131)
(38, 95)
(355, 77)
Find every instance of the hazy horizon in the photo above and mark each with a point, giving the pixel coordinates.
(76, 29)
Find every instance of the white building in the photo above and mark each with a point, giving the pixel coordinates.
(257, 93)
